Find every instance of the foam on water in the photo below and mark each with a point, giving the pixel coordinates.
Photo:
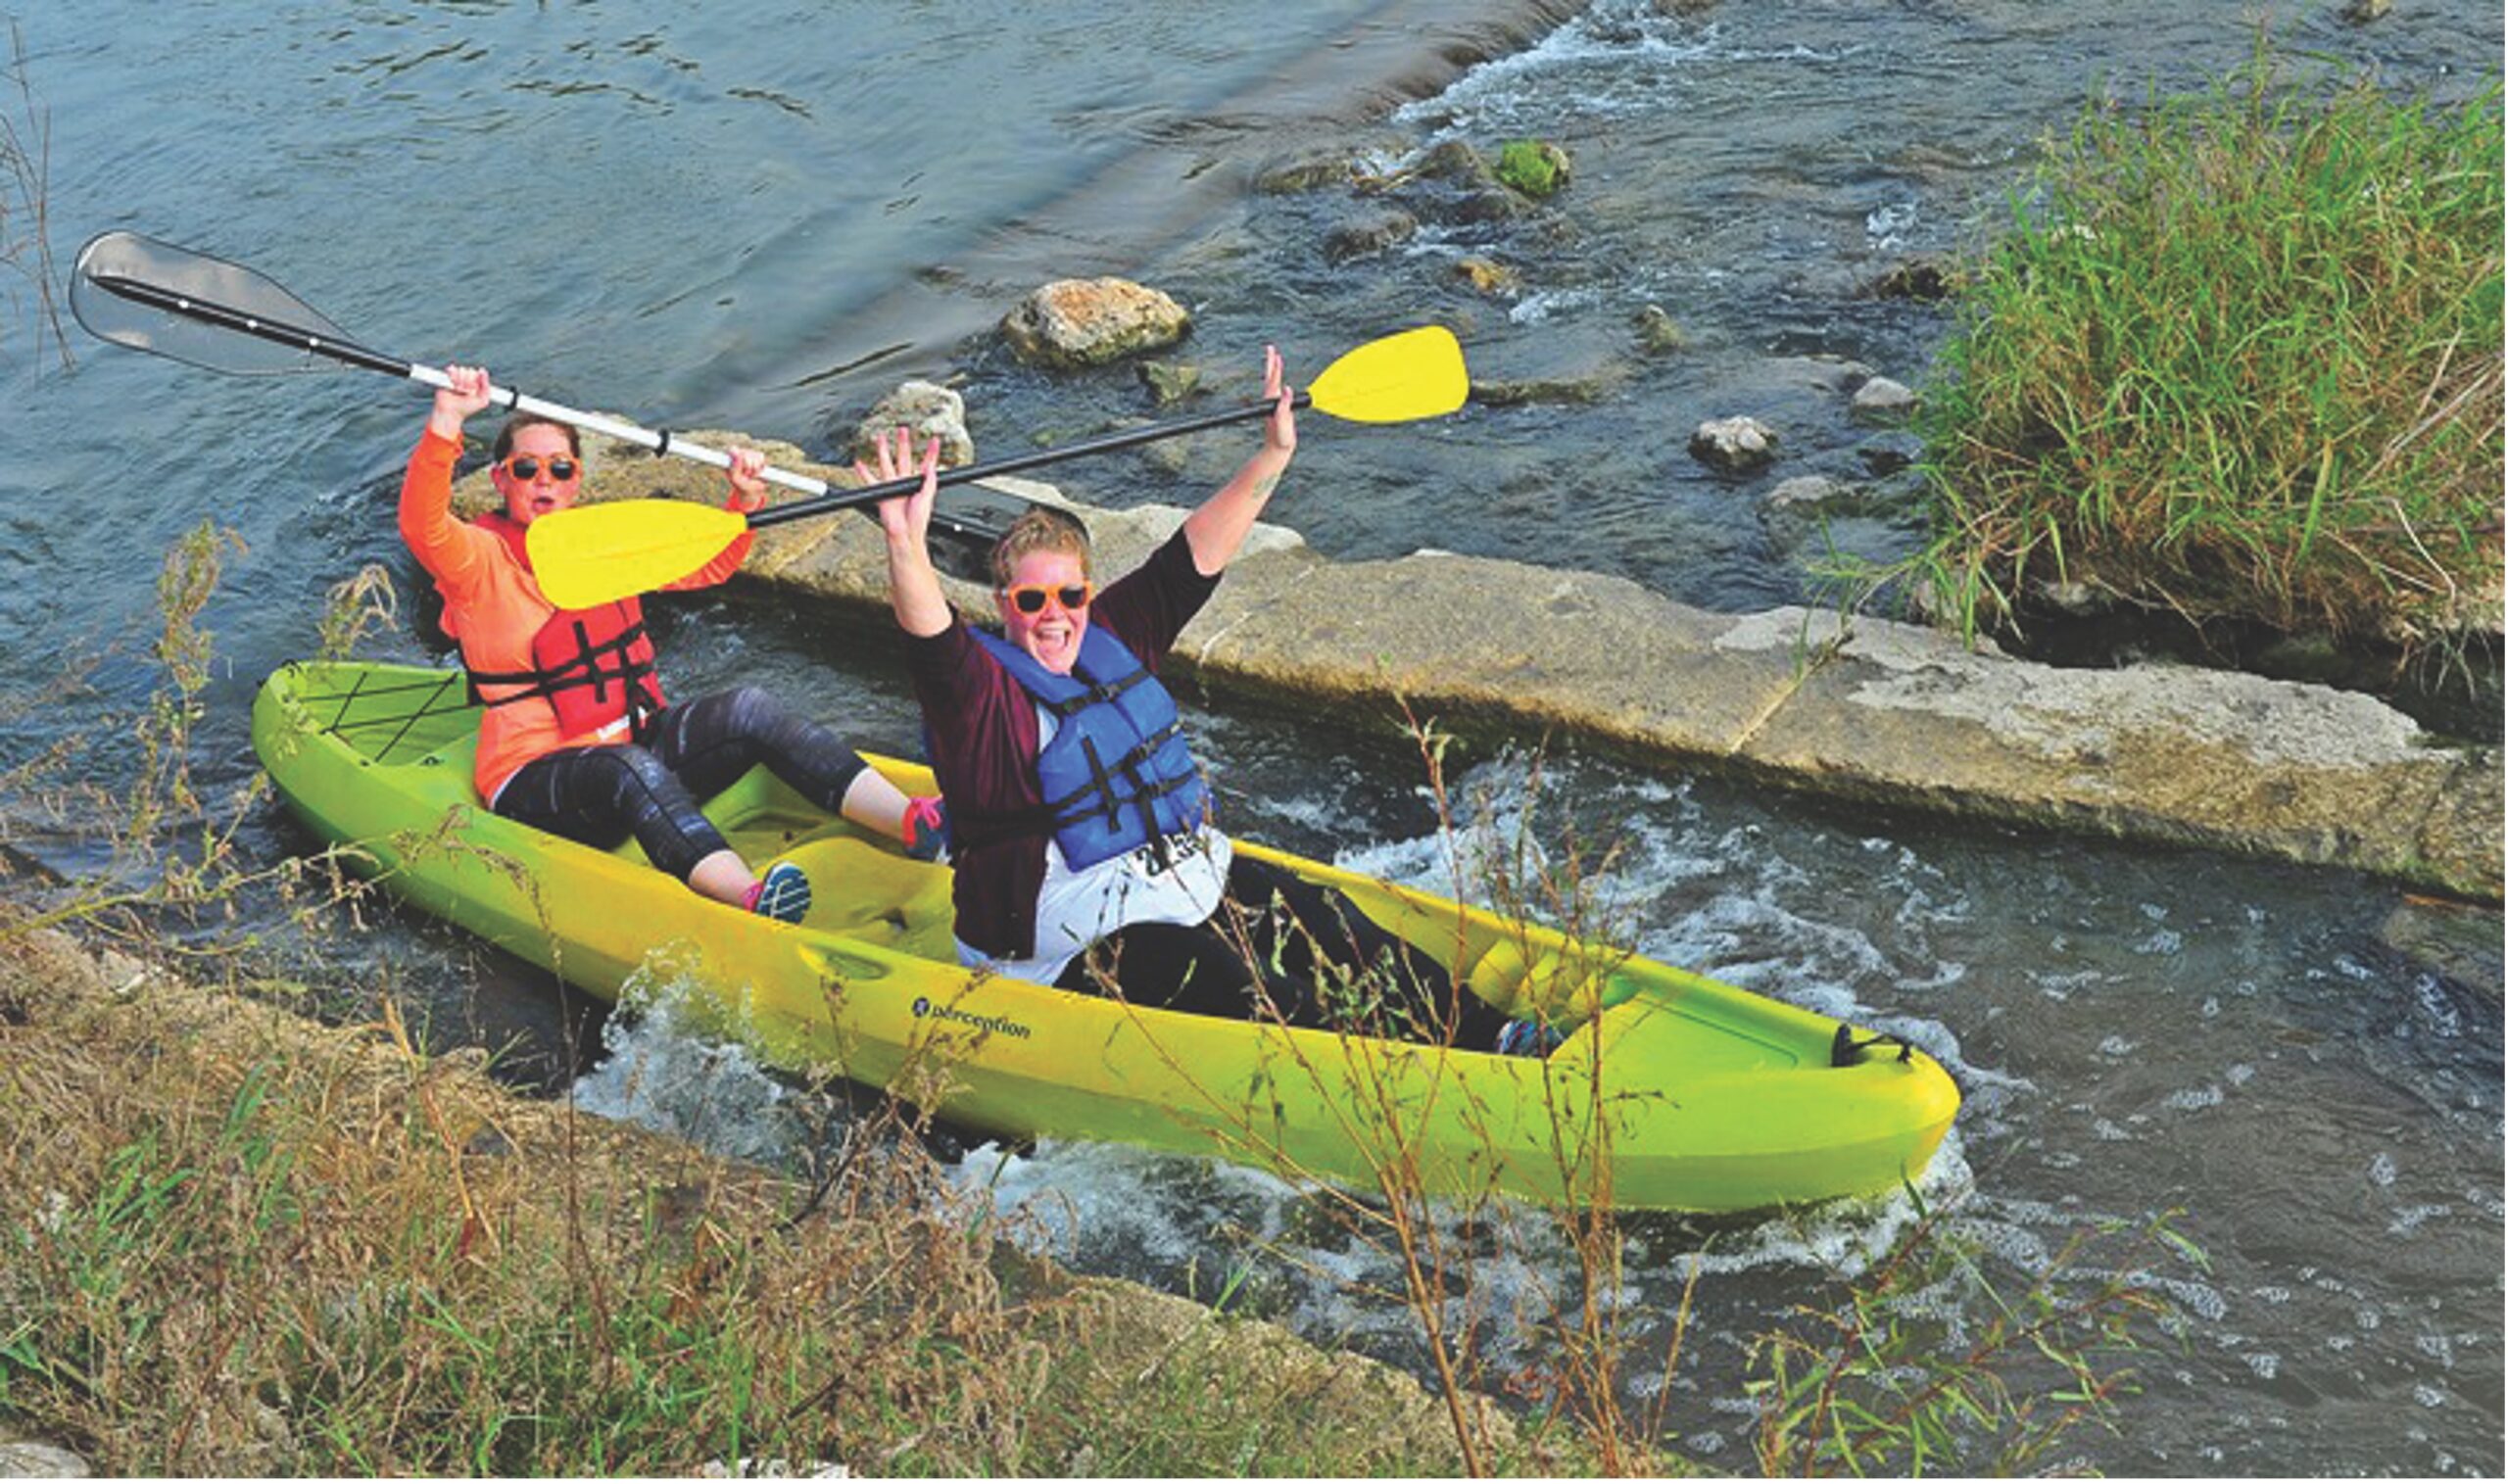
(1591, 65)
(661, 1073)
(1184, 1224)
(1671, 878)
(1723, 900)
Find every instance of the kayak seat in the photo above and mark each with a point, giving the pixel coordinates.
(862, 891)
(1504, 978)
(1532, 981)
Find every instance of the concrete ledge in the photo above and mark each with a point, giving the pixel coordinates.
(1876, 711)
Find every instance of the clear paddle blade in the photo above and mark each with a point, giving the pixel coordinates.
(169, 301)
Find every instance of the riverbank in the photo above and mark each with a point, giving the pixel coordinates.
(1874, 713)
(246, 1243)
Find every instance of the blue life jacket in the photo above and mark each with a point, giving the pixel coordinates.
(1117, 774)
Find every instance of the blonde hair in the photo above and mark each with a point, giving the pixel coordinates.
(1039, 529)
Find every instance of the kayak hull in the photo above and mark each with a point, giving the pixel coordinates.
(1672, 1092)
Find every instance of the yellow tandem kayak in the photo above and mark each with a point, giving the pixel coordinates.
(1672, 1092)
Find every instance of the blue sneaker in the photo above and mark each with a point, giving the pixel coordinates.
(927, 829)
(782, 893)
(1534, 1038)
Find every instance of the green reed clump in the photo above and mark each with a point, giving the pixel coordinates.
(1930, 1362)
(2237, 355)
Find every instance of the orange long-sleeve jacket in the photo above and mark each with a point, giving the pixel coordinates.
(493, 607)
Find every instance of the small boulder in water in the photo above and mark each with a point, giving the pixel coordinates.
(1734, 445)
(1488, 278)
(1367, 236)
(1077, 323)
(1881, 400)
(1809, 493)
(1169, 381)
(1575, 390)
(1888, 453)
(1926, 278)
(930, 410)
(1658, 333)
(1454, 184)
(1535, 166)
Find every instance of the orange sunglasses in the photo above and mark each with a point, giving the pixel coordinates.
(1032, 597)
(525, 468)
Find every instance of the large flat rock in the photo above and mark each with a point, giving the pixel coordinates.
(1594, 654)
(2216, 758)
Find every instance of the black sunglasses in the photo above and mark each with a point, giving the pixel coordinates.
(526, 468)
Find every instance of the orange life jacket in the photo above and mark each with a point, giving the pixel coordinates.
(592, 666)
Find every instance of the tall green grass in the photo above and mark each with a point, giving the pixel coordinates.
(2237, 355)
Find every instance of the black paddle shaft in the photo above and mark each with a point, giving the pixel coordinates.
(277, 332)
(1130, 438)
(296, 337)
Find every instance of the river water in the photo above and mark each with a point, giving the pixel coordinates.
(761, 214)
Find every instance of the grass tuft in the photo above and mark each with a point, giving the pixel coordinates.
(2236, 355)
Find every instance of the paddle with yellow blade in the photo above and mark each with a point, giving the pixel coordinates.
(594, 553)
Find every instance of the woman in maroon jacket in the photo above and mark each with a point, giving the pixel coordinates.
(1084, 848)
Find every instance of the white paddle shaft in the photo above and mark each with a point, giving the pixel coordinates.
(625, 432)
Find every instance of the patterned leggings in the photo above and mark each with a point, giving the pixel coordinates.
(684, 755)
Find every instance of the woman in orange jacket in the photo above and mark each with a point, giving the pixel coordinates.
(577, 738)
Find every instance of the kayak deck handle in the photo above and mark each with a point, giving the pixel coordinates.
(1845, 1050)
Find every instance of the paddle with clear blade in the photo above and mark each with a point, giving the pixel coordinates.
(135, 291)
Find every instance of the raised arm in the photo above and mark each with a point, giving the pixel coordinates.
(914, 588)
(1217, 528)
(426, 518)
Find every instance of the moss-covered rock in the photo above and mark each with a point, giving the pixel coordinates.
(1658, 333)
(1535, 166)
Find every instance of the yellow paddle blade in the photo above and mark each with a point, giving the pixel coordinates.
(1417, 373)
(595, 555)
